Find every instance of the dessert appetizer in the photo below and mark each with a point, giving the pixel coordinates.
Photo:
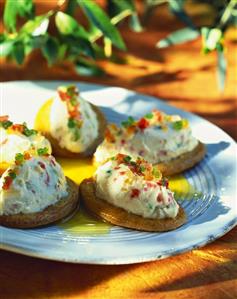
(132, 194)
(73, 126)
(35, 192)
(161, 139)
(16, 138)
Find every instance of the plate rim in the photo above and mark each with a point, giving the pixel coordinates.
(231, 223)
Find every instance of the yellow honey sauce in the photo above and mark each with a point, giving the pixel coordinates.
(84, 224)
(81, 223)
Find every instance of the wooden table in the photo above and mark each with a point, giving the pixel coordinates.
(183, 77)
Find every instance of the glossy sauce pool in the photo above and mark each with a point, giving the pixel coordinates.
(84, 224)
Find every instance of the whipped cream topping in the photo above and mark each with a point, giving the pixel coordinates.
(72, 120)
(117, 184)
(156, 137)
(15, 138)
(31, 185)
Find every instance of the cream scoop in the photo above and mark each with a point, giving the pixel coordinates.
(136, 187)
(157, 137)
(31, 184)
(73, 122)
(17, 138)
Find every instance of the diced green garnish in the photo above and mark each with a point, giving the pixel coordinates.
(127, 159)
(19, 158)
(109, 171)
(149, 115)
(150, 206)
(129, 122)
(42, 151)
(71, 123)
(76, 135)
(142, 168)
(28, 132)
(180, 124)
(156, 172)
(12, 174)
(71, 90)
(6, 124)
(177, 125)
(73, 101)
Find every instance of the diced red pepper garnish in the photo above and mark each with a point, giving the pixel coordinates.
(27, 156)
(122, 172)
(69, 95)
(135, 193)
(63, 95)
(160, 197)
(73, 113)
(7, 183)
(158, 115)
(47, 180)
(120, 158)
(109, 136)
(53, 162)
(18, 127)
(143, 123)
(150, 185)
(42, 165)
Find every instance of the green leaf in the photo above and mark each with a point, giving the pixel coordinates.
(117, 7)
(67, 25)
(177, 8)
(26, 8)
(211, 38)
(135, 23)
(221, 69)
(9, 15)
(71, 7)
(98, 17)
(50, 50)
(107, 47)
(37, 26)
(77, 45)
(12, 9)
(34, 42)
(6, 47)
(176, 5)
(62, 51)
(18, 52)
(37, 42)
(86, 68)
(178, 37)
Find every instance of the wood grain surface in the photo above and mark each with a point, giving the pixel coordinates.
(183, 77)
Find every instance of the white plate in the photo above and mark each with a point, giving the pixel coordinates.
(210, 217)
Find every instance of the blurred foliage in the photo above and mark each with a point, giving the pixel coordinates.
(225, 15)
(71, 41)
(84, 44)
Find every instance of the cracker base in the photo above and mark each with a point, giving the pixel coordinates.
(49, 215)
(183, 162)
(121, 217)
